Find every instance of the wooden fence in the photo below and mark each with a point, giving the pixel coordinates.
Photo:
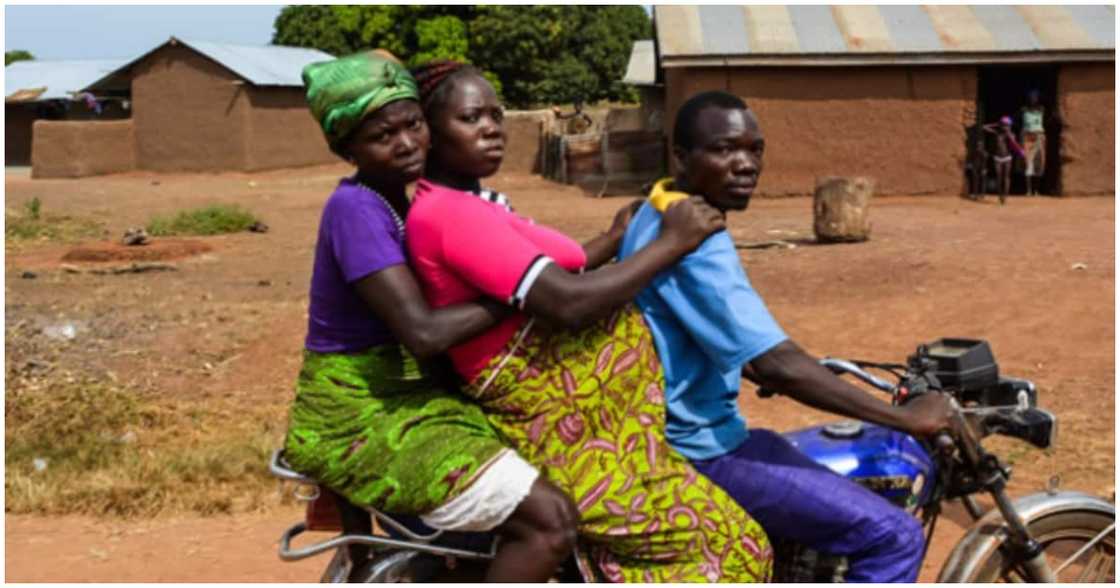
(605, 162)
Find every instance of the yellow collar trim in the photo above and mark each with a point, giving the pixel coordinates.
(662, 195)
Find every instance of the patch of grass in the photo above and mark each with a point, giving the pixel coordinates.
(103, 450)
(34, 208)
(31, 224)
(210, 220)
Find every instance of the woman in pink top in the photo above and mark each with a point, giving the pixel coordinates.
(573, 381)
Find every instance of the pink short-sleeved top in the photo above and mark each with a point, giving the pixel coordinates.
(463, 247)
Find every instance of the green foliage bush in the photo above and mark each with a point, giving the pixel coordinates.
(210, 220)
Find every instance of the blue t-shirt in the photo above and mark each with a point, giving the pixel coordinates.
(707, 321)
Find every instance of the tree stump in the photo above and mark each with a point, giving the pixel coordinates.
(840, 209)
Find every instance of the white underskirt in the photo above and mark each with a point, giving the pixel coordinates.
(490, 500)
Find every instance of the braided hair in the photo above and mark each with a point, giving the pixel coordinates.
(431, 78)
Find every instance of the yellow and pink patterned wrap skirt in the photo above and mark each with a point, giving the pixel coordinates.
(587, 407)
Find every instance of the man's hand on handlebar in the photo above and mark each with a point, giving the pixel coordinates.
(787, 369)
(926, 414)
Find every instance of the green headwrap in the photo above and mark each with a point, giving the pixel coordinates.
(341, 92)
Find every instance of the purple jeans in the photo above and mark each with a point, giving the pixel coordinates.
(795, 498)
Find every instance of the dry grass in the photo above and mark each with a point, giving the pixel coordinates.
(77, 445)
(30, 224)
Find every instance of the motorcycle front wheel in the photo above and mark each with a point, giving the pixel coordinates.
(1065, 538)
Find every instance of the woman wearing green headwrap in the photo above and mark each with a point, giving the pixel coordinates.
(369, 420)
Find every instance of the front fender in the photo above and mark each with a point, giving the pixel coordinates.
(991, 530)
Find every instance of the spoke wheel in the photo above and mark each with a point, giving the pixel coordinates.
(1062, 536)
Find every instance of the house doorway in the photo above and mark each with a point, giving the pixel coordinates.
(1002, 91)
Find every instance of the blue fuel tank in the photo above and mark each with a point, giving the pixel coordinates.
(888, 462)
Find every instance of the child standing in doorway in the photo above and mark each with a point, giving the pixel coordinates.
(1005, 142)
(977, 165)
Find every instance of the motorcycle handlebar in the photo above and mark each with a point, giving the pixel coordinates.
(943, 440)
(843, 366)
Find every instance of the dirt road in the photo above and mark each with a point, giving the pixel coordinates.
(1035, 278)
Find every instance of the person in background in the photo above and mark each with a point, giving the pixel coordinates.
(1033, 137)
(977, 165)
(1005, 143)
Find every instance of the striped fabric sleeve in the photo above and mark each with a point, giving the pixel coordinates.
(527, 280)
(496, 197)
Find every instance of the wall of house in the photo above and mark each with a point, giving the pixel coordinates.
(1087, 103)
(524, 142)
(903, 126)
(74, 149)
(190, 113)
(282, 132)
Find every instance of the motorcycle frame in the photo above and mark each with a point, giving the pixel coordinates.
(1007, 523)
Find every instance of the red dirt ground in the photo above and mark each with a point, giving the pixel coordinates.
(1036, 278)
(159, 249)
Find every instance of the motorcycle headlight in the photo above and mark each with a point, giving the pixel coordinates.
(1009, 392)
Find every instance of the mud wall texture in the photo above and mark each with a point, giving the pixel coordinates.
(74, 149)
(282, 132)
(903, 126)
(190, 113)
(524, 142)
(17, 133)
(1087, 102)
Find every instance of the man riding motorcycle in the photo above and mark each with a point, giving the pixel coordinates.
(711, 328)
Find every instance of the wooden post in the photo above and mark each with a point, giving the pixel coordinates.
(840, 209)
(563, 159)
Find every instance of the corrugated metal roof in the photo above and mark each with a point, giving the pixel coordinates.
(894, 34)
(268, 65)
(641, 70)
(260, 65)
(58, 77)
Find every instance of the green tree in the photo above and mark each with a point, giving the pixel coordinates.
(442, 37)
(604, 39)
(551, 54)
(344, 29)
(11, 57)
(533, 54)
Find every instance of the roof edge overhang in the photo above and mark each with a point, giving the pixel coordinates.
(124, 70)
(863, 59)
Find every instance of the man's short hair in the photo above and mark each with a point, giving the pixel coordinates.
(691, 109)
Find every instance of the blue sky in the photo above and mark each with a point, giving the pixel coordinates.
(107, 32)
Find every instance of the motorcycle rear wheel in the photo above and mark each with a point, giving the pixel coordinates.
(1061, 535)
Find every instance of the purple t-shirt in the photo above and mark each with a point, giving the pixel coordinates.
(358, 236)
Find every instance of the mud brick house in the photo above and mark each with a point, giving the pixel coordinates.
(49, 90)
(196, 107)
(891, 91)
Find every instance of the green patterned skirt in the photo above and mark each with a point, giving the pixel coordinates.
(587, 407)
(374, 428)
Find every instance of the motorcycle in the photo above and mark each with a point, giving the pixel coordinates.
(1051, 536)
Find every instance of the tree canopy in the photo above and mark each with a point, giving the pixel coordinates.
(11, 57)
(536, 55)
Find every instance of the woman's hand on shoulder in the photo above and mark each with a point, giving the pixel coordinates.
(622, 219)
(688, 223)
